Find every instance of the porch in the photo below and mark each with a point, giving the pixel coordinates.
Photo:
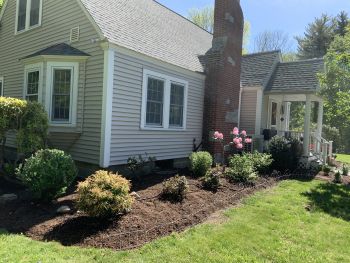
(278, 119)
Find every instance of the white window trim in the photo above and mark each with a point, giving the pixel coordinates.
(2, 90)
(166, 103)
(74, 66)
(32, 68)
(27, 25)
(270, 126)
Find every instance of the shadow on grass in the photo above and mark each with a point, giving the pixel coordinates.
(332, 199)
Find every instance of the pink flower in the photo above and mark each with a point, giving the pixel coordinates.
(244, 133)
(239, 146)
(240, 140)
(218, 136)
(248, 140)
(236, 141)
(235, 131)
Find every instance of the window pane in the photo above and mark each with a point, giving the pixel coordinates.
(155, 97)
(32, 86)
(61, 95)
(177, 97)
(274, 114)
(22, 9)
(34, 12)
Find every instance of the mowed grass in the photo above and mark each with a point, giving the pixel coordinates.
(344, 158)
(293, 222)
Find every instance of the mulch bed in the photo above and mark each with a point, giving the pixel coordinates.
(149, 219)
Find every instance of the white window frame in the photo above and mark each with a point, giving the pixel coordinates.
(74, 66)
(166, 101)
(32, 68)
(2, 86)
(27, 24)
(270, 115)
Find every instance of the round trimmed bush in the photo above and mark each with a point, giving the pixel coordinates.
(175, 188)
(48, 173)
(201, 162)
(104, 194)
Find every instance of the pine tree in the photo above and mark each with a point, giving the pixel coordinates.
(342, 23)
(317, 38)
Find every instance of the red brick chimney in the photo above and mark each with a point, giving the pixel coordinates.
(223, 70)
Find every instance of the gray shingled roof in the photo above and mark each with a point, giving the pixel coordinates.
(296, 76)
(257, 68)
(61, 49)
(150, 28)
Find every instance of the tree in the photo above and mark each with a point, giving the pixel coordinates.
(335, 86)
(1, 3)
(204, 17)
(317, 38)
(342, 23)
(272, 40)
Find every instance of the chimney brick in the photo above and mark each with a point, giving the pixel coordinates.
(223, 70)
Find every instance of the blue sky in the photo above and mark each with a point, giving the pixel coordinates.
(290, 16)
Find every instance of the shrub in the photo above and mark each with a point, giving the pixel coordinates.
(261, 162)
(104, 194)
(211, 180)
(345, 170)
(48, 173)
(338, 178)
(139, 166)
(201, 162)
(285, 153)
(175, 188)
(241, 170)
(29, 119)
(326, 169)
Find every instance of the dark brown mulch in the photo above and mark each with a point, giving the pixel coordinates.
(149, 219)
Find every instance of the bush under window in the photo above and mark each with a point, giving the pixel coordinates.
(175, 188)
(104, 194)
(241, 170)
(48, 174)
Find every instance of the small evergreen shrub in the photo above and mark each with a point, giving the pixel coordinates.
(261, 162)
(338, 178)
(104, 194)
(285, 153)
(211, 180)
(175, 188)
(241, 170)
(345, 170)
(139, 166)
(48, 173)
(201, 162)
(326, 169)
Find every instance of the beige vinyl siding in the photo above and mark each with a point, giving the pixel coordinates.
(127, 138)
(58, 18)
(248, 110)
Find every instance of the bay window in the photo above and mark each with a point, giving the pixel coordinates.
(164, 102)
(29, 13)
(33, 82)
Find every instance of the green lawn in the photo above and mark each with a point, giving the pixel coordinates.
(344, 158)
(294, 222)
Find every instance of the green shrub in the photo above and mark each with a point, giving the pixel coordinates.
(104, 194)
(139, 166)
(285, 153)
(261, 162)
(201, 162)
(326, 169)
(345, 170)
(48, 173)
(175, 188)
(211, 180)
(241, 170)
(338, 178)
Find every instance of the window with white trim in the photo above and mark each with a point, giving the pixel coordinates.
(61, 98)
(33, 82)
(164, 102)
(1, 86)
(29, 13)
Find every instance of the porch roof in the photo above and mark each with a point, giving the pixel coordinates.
(296, 77)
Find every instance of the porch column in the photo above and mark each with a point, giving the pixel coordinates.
(307, 122)
(320, 119)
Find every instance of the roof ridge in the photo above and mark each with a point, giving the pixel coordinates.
(302, 61)
(156, 1)
(262, 53)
